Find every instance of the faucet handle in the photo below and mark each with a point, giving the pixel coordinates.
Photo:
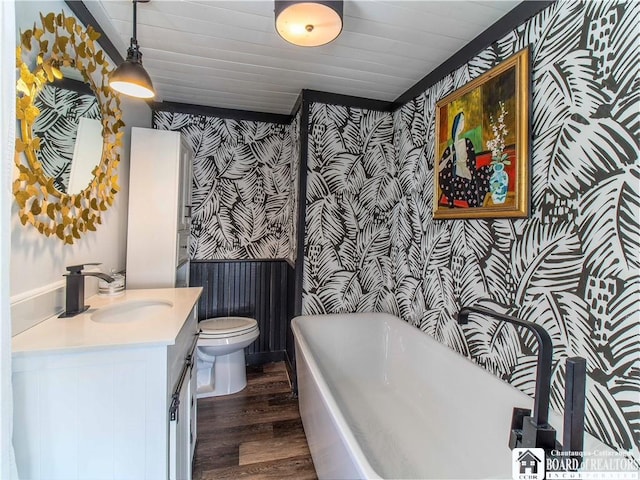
(76, 269)
(517, 424)
(526, 433)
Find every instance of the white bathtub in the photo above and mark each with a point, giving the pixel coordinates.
(380, 399)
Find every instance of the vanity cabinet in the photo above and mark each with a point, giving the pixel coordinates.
(159, 209)
(112, 409)
(182, 415)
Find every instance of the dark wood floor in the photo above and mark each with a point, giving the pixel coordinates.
(253, 434)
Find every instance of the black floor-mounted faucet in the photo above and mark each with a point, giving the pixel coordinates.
(74, 304)
(534, 431)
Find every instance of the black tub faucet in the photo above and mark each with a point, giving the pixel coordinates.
(534, 431)
(74, 303)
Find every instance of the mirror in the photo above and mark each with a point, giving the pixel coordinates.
(63, 187)
(69, 127)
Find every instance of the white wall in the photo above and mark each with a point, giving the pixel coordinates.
(38, 262)
(7, 134)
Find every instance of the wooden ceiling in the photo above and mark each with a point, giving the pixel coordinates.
(227, 54)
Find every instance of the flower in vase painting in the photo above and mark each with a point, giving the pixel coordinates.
(496, 144)
(499, 181)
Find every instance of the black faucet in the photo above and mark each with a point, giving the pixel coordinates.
(534, 431)
(75, 289)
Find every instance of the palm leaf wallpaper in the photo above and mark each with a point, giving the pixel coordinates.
(371, 243)
(572, 266)
(351, 191)
(245, 180)
(57, 127)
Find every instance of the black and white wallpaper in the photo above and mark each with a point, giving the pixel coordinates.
(351, 190)
(57, 128)
(573, 266)
(242, 186)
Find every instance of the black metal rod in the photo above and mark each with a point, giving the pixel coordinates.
(175, 398)
(135, 20)
(545, 354)
(574, 403)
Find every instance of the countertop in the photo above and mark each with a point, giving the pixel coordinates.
(83, 333)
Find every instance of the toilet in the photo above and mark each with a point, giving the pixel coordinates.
(221, 366)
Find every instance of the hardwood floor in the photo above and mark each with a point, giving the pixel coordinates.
(253, 434)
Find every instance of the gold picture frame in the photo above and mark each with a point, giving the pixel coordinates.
(482, 145)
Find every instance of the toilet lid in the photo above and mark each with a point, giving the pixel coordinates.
(225, 326)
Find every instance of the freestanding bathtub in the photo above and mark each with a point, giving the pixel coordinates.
(381, 399)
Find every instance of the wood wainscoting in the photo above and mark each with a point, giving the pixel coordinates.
(260, 289)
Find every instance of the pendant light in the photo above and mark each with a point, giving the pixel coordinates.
(130, 78)
(308, 23)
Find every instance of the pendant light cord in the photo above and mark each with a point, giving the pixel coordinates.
(133, 53)
(135, 21)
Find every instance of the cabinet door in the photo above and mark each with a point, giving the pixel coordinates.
(193, 416)
(179, 434)
(181, 408)
(184, 194)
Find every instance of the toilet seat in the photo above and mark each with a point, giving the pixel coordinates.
(226, 327)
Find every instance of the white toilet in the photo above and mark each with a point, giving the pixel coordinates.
(221, 364)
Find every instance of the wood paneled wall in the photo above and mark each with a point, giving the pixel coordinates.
(259, 289)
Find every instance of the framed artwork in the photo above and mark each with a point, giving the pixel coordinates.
(482, 145)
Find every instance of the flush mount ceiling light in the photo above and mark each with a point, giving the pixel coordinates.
(130, 77)
(308, 23)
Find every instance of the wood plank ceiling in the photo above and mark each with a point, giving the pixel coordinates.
(226, 53)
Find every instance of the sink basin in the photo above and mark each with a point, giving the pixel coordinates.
(131, 311)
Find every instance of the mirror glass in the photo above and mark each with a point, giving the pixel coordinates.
(70, 129)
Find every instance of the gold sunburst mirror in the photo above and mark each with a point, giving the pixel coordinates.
(60, 48)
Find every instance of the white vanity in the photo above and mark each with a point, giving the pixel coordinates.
(108, 394)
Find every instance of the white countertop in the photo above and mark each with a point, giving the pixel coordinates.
(83, 333)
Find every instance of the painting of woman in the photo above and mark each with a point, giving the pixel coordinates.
(458, 176)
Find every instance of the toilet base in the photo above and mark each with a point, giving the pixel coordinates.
(228, 375)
